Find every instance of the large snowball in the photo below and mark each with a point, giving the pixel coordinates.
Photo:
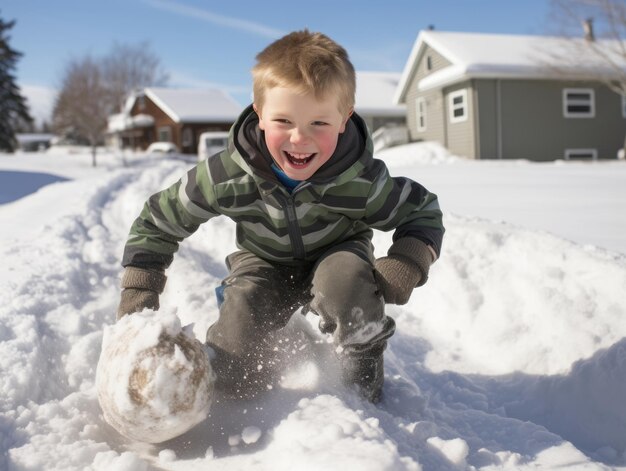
(154, 380)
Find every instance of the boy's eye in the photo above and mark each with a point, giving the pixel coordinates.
(319, 123)
(281, 120)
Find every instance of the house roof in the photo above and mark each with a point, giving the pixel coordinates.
(374, 94)
(476, 55)
(195, 105)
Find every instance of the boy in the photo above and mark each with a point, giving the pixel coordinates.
(299, 179)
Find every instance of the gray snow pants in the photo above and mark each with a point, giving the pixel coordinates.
(260, 298)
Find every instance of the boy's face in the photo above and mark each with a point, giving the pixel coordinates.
(301, 131)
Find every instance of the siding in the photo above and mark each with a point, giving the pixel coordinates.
(533, 126)
(435, 107)
(488, 117)
(161, 119)
(460, 137)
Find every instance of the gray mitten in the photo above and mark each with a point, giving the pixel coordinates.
(404, 268)
(141, 290)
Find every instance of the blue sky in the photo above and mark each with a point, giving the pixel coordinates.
(213, 43)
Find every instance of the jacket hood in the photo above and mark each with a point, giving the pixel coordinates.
(351, 157)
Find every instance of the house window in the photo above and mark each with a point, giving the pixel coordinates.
(581, 154)
(141, 102)
(429, 63)
(457, 108)
(164, 134)
(420, 106)
(623, 106)
(579, 103)
(187, 137)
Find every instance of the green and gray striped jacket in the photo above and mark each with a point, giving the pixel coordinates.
(347, 197)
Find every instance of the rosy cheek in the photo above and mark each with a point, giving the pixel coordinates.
(273, 140)
(327, 143)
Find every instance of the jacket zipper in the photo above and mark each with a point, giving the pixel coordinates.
(295, 235)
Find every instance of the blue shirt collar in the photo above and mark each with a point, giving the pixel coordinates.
(288, 182)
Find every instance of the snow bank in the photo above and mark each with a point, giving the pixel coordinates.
(511, 357)
(504, 299)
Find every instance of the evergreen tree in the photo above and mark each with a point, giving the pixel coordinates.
(13, 109)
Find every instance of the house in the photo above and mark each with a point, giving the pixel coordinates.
(488, 96)
(374, 102)
(374, 99)
(172, 115)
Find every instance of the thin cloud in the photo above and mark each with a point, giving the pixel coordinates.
(182, 79)
(388, 57)
(214, 18)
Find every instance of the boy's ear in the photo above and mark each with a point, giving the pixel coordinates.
(256, 110)
(345, 121)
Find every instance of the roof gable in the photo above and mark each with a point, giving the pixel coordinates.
(476, 55)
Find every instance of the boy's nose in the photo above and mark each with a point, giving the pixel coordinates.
(298, 136)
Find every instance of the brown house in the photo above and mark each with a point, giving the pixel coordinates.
(172, 115)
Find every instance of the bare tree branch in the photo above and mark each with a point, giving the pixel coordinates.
(82, 105)
(605, 45)
(601, 54)
(130, 67)
(92, 89)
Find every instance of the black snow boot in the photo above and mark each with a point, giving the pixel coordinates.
(365, 373)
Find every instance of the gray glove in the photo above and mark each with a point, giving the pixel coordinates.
(141, 290)
(404, 268)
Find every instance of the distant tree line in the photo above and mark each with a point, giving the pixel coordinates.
(92, 89)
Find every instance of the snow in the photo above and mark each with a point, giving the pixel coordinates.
(193, 105)
(374, 94)
(511, 357)
(122, 121)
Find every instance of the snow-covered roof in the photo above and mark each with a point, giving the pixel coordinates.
(477, 55)
(195, 105)
(374, 94)
(121, 121)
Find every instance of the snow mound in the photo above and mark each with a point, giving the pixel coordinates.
(416, 153)
(154, 379)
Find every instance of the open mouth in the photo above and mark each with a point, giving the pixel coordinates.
(299, 160)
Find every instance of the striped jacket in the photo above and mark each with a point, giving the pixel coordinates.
(348, 196)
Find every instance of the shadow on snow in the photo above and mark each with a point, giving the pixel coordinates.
(15, 184)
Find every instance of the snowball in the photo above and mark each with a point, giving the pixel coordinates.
(154, 380)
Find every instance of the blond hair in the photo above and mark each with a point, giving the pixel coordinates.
(308, 63)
